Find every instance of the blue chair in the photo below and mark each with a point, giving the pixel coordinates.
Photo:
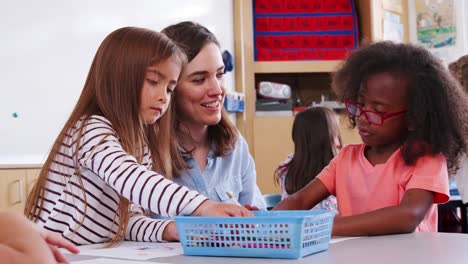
(271, 200)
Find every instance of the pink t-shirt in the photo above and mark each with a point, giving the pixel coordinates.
(361, 187)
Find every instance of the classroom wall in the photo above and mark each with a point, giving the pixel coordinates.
(46, 50)
(461, 15)
(465, 27)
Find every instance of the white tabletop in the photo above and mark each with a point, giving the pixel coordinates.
(443, 248)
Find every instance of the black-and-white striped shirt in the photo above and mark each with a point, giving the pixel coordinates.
(107, 172)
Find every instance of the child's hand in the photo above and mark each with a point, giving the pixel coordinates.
(55, 241)
(251, 207)
(210, 208)
(170, 233)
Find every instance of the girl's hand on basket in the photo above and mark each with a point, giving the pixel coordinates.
(170, 233)
(210, 208)
(251, 207)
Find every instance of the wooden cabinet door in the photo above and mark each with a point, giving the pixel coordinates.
(31, 178)
(12, 190)
(272, 145)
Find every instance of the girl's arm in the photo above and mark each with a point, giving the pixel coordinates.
(305, 199)
(403, 218)
(142, 228)
(145, 229)
(103, 154)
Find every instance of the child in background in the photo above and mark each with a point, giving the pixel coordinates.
(317, 140)
(459, 70)
(411, 118)
(108, 162)
(22, 242)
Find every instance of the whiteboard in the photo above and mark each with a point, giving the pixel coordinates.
(46, 50)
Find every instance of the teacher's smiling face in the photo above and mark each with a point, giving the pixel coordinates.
(201, 88)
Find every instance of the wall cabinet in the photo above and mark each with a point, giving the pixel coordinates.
(15, 185)
(269, 138)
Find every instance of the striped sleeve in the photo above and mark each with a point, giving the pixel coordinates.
(141, 228)
(102, 154)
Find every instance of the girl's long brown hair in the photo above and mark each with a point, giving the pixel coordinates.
(112, 90)
(314, 132)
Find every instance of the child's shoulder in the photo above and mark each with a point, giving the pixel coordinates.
(431, 160)
(286, 161)
(98, 119)
(95, 123)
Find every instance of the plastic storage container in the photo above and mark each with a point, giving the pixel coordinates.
(269, 234)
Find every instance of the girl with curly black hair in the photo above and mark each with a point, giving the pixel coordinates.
(411, 116)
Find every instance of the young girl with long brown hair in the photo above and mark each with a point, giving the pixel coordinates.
(107, 164)
(317, 140)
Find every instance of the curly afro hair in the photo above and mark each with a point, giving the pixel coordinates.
(458, 70)
(437, 107)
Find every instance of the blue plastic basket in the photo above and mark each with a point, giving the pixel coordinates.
(269, 234)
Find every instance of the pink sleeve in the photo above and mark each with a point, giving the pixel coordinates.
(283, 170)
(328, 175)
(282, 182)
(431, 174)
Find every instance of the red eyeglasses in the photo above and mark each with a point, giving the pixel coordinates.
(371, 116)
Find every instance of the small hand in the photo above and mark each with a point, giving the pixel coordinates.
(210, 208)
(251, 207)
(170, 233)
(55, 241)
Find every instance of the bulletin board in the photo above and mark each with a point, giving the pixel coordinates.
(440, 26)
(304, 29)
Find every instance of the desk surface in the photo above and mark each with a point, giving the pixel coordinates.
(409, 248)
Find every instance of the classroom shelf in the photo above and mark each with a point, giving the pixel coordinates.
(296, 66)
(269, 136)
